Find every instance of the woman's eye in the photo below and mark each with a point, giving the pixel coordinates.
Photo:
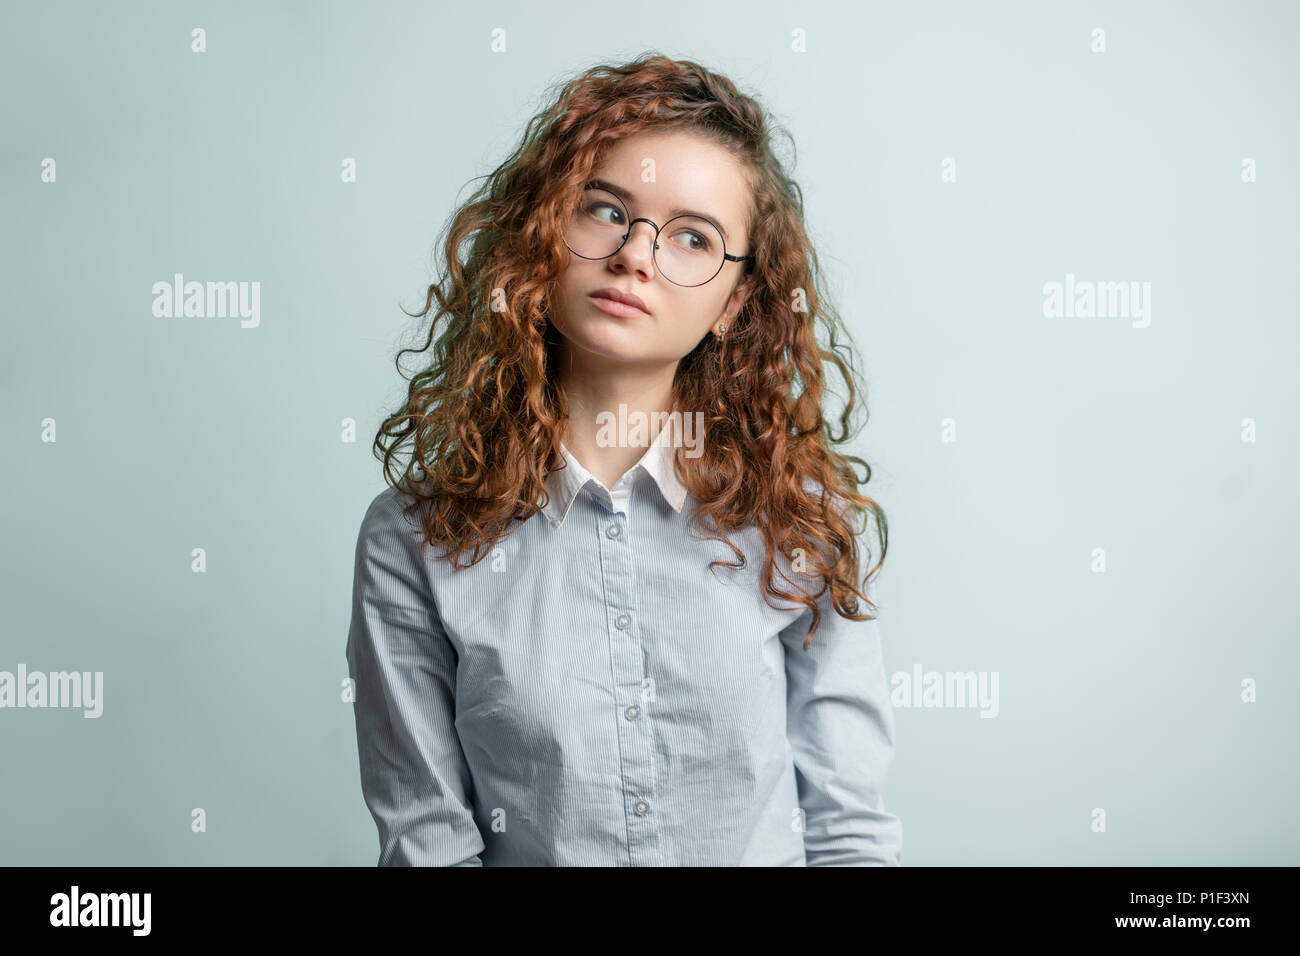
(693, 242)
(600, 210)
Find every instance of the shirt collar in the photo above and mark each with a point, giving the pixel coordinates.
(563, 484)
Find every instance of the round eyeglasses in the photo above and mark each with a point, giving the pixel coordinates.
(692, 250)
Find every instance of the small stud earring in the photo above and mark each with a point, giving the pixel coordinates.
(722, 332)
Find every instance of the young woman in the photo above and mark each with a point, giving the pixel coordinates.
(607, 613)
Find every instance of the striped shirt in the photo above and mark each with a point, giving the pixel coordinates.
(590, 694)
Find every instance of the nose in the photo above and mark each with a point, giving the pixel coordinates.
(635, 254)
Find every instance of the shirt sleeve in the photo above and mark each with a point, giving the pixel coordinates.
(841, 730)
(413, 772)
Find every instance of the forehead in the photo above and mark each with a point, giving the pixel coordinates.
(668, 170)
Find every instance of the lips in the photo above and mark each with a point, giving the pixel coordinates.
(617, 295)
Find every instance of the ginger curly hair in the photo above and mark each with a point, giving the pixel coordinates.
(485, 416)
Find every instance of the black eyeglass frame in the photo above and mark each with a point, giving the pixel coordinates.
(726, 257)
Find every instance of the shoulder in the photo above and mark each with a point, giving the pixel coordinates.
(840, 506)
(387, 520)
(864, 523)
(381, 504)
(381, 510)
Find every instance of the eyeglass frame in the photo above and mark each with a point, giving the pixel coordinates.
(726, 257)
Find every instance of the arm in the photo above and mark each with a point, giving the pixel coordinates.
(413, 772)
(841, 729)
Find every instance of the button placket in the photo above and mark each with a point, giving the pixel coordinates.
(635, 733)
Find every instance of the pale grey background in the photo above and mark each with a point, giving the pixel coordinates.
(1118, 690)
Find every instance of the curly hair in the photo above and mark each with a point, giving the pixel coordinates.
(486, 415)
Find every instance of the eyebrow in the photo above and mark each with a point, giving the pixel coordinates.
(626, 196)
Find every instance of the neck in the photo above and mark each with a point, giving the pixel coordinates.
(592, 432)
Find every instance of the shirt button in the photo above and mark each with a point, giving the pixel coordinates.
(612, 531)
(633, 712)
(622, 621)
(641, 809)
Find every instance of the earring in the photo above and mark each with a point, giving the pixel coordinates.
(722, 332)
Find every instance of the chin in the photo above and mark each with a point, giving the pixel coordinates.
(609, 340)
(614, 350)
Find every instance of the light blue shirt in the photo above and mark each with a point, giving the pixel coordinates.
(590, 694)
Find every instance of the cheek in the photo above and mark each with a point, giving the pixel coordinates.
(565, 295)
(707, 310)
